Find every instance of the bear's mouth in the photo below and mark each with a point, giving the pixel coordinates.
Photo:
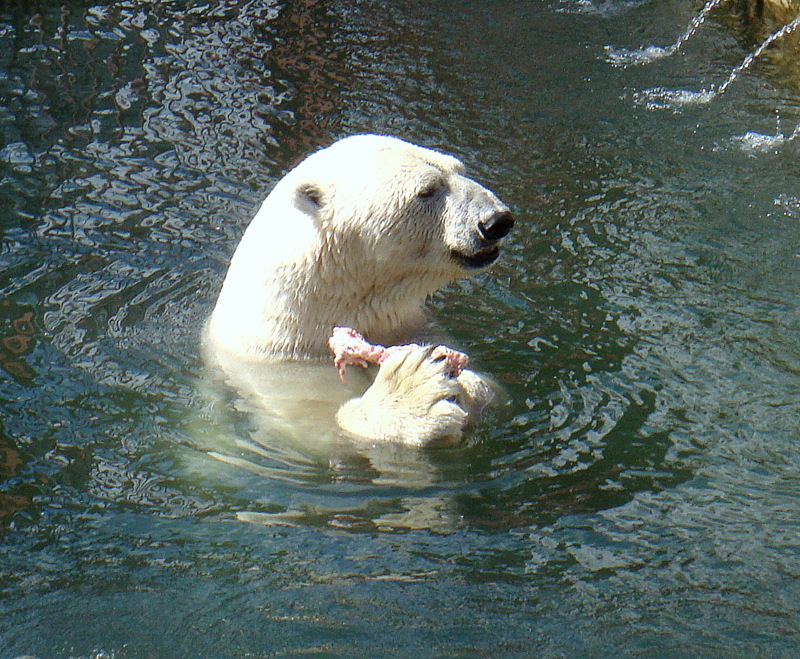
(479, 259)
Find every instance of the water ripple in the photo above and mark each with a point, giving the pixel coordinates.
(661, 99)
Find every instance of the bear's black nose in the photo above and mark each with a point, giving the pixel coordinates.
(496, 227)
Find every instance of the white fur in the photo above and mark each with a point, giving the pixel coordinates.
(346, 239)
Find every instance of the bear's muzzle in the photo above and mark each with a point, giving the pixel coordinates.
(490, 232)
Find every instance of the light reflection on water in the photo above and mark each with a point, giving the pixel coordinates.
(638, 492)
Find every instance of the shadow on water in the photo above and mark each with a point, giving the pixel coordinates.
(18, 339)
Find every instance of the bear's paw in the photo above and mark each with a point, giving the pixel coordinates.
(415, 399)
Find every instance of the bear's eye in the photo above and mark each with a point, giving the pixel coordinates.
(430, 190)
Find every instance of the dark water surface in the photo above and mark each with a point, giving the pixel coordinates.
(640, 496)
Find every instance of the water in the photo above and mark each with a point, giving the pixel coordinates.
(639, 495)
(660, 98)
(648, 54)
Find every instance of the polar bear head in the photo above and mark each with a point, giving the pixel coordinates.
(357, 235)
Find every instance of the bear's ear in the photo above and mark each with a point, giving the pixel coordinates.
(310, 194)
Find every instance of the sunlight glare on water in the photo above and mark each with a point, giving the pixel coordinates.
(636, 495)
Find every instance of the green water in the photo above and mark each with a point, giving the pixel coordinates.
(640, 496)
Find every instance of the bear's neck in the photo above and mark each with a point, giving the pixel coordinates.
(287, 307)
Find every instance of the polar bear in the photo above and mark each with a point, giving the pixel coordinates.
(358, 235)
